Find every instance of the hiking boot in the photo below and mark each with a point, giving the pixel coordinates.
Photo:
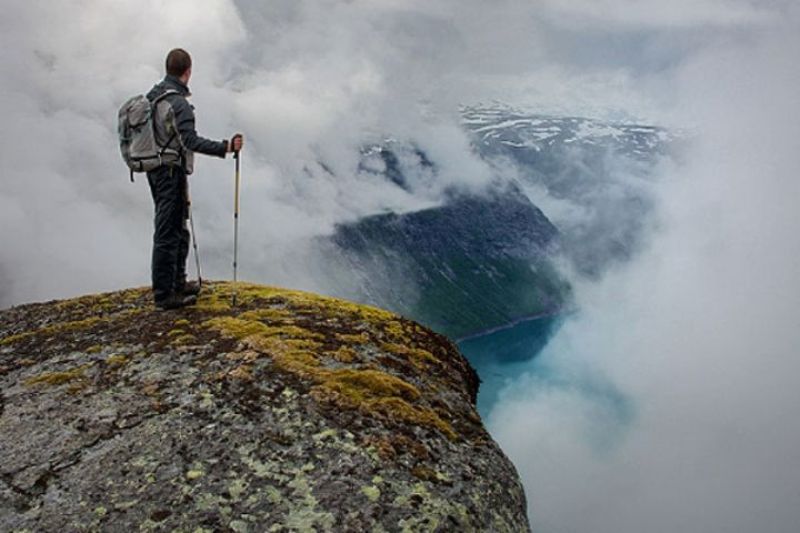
(176, 301)
(190, 288)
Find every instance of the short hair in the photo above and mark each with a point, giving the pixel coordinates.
(178, 62)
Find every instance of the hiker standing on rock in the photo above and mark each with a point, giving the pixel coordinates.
(175, 132)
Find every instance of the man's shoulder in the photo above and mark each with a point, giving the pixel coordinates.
(180, 105)
(168, 89)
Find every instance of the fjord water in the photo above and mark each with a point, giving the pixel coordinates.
(500, 355)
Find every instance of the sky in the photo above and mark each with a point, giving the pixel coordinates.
(674, 406)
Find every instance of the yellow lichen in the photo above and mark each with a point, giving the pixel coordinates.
(415, 355)
(352, 339)
(426, 473)
(344, 354)
(273, 331)
(236, 327)
(271, 314)
(182, 339)
(58, 378)
(395, 329)
(213, 301)
(363, 385)
(116, 360)
(242, 373)
(181, 322)
(194, 474)
(371, 492)
(299, 302)
(65, 327)
(397, 408)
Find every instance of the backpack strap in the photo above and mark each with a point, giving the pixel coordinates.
(154, 104)
(163, 95)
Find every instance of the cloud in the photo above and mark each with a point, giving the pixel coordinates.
(307, 82)
(652, 14)
(697, 339)
(669, 403)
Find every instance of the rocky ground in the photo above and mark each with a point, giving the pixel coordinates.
(289, 412)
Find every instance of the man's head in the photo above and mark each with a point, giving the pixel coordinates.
(179, 64)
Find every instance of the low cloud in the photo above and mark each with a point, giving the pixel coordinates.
(694, 344)
(669, 401)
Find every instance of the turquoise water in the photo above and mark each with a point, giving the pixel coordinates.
(501, 356)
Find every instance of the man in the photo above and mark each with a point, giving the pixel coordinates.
(175, 132)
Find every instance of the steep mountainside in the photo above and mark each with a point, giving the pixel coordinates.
(473, 263)
(290, 412)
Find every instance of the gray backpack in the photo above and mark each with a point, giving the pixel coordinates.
(137, 133)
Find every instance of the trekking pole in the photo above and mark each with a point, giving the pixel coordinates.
(194, 246)
(235, 226)
(194, 236)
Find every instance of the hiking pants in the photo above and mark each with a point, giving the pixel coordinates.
(168, 186)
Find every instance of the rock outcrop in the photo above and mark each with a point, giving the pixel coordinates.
(290, 412)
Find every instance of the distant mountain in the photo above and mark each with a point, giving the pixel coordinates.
(593, 178)
(544, 139)
(478, 261)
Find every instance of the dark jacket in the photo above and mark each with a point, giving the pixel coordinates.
(183, 115)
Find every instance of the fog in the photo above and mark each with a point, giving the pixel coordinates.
(668, 401)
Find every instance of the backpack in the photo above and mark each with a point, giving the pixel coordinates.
(137, 136)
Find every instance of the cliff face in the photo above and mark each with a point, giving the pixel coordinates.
(476, 262)
(292, 412)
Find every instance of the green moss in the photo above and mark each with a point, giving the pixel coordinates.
(58, 378)
(344, 354)
(116, 360)
(371, 492)
(16, 338)
(395, 329)
(399, 409)
(66, 327)
(270, 314)
(52, 330)
(291, 347)
(298, 301)
(363, 385)
(415, 355)
(182, 340)
(298, 351)
(94, 349)
(194, 474)
(353, 340)
(213, 301)
(236, 327)
(181, 322)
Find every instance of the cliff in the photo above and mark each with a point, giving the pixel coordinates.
(291, 412)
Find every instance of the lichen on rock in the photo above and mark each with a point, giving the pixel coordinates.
(288, 412)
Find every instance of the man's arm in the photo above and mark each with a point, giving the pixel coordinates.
(184, 121)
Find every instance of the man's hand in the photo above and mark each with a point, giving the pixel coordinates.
(236, 143)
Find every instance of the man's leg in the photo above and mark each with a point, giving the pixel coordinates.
(167, 196)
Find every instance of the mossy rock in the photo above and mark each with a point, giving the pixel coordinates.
(289, 412)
